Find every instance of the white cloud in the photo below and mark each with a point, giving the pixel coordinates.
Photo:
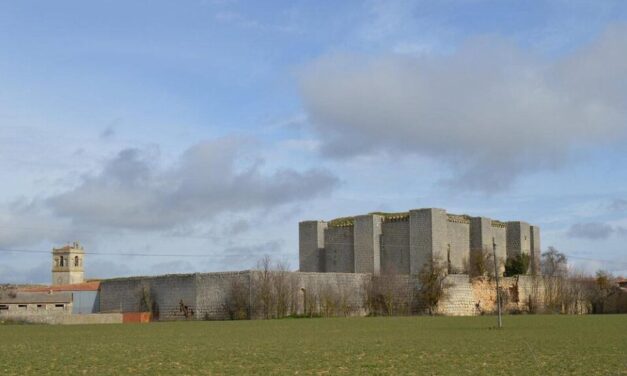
(490, 111)
(135, 191)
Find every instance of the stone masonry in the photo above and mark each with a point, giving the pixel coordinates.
(404, 242)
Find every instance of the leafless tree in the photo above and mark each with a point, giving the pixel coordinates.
(432, 285)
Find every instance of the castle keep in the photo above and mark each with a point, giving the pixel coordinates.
(404, 242)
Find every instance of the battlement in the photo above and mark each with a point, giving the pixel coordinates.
(403, 242)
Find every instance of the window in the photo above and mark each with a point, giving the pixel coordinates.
(61, 261)
(75, 260)
(59, 305)
(4, 307)
(22, 306)
(41, 306)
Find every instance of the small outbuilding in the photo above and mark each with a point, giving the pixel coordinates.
(85, 296)
(35, 302)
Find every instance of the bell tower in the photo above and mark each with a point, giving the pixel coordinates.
(67, 264)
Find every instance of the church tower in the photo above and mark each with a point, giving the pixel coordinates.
(67, 264)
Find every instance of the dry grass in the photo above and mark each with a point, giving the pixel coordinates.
(529, 345)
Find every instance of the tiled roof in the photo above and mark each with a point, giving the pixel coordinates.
(85, 286)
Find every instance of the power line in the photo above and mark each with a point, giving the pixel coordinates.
(203, 254)
(113, 253)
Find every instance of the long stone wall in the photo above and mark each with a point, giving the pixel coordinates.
(165, 293)
(208, 295)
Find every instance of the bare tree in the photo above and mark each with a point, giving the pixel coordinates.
(388, 293)
(236, 303)
(262, 286)
(604, 282)
(281, 289)
(554, 263)
(480, 263)
(432, 288)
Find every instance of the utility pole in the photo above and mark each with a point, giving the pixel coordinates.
(496, 275)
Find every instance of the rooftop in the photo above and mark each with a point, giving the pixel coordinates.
(35, 297)
(86, 286)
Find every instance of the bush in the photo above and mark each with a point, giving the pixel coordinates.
(388, 294)
(517, 265)
(480, 263)
(237, 303)
(432, 286)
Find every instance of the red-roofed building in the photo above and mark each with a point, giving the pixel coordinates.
(85, 296)
(85, 286)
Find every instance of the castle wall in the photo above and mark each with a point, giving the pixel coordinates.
(499, 232)
(339, 250)
(427, 237)
(469, 297)
(214, 289)
(481, 234)
(348, 287)
(207, 294)
(536, 250)
(458, 234)
(367, 238)
(311, 246)
(167, 291)
(395, 247)
(518, 238)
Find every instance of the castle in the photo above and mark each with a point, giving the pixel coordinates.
(403, 243)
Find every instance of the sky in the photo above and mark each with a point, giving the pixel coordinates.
(178, 137)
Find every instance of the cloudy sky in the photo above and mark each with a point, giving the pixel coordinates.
(210, 128)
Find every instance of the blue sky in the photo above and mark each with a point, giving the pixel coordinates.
(213, 127)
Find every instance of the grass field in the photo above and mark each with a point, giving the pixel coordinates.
(528, 345)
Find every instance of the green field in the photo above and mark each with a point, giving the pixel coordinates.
(528, 345)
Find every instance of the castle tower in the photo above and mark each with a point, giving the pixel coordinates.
(67, 264)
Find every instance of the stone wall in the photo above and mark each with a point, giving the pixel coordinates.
(311, 245)
(395, 247)
(166, 292)
(339, 250)
(348, 287)
(458, 234)
(475, 296)
(367, 244)
(499, 233)
(214, 289)
(207, 294)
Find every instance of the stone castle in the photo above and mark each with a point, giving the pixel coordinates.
(403, 243)
(341, 263)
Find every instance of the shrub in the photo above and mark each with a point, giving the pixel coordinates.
(432, 285)
(480, 263)
(517, 265)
